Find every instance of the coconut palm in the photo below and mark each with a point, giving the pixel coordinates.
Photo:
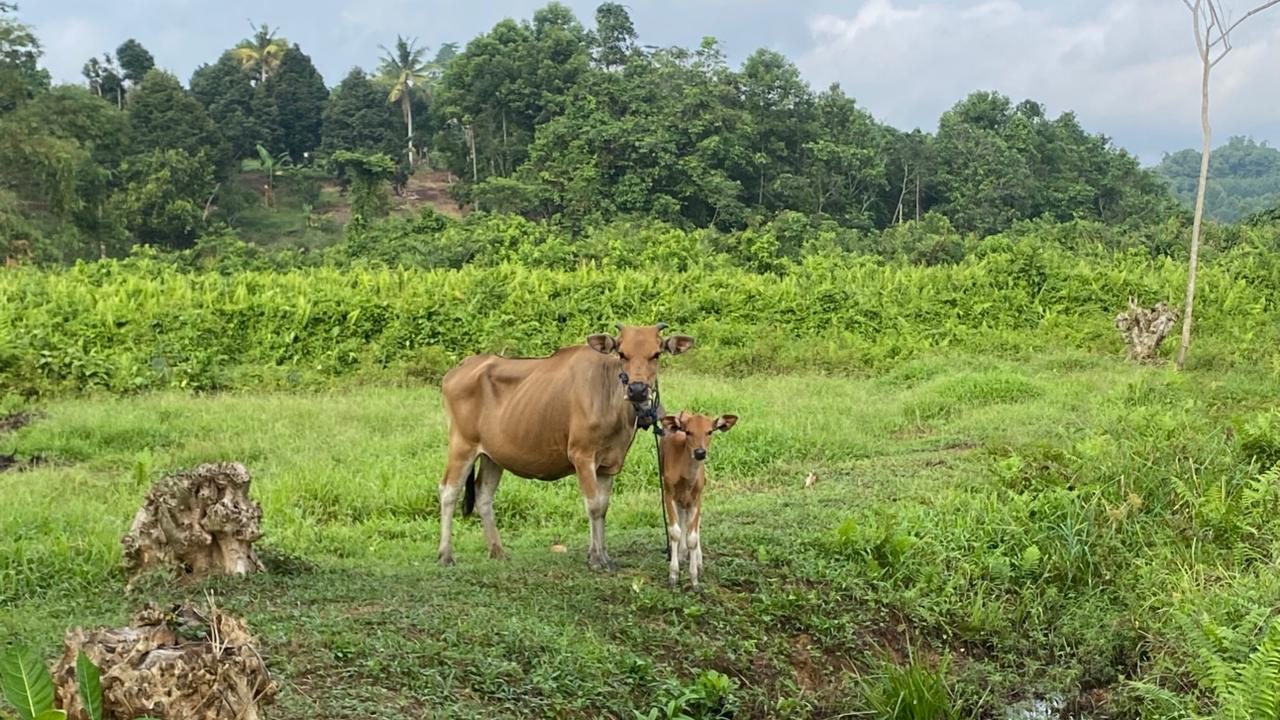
(403, 69)
(262, 53)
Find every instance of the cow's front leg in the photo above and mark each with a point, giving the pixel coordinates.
(596, 490)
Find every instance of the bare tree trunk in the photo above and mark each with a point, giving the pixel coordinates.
(1208, 19)
(506, 154)
(1199, 214)
(917, 196)
(902, 195)
(408, 119)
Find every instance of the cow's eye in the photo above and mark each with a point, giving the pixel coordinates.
(622, 355)
(656, 356)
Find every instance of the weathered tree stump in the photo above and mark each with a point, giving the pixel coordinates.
(1143, 330)
(202, 522)
(177, 664)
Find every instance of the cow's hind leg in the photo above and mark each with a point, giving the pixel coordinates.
(461, 459)
(488, 473)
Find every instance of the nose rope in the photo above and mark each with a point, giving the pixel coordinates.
(655, 424)
(657, 443)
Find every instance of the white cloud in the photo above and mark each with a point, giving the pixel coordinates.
(1128, 68)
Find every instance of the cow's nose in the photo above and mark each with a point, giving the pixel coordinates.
(638, 391)
(700, 454)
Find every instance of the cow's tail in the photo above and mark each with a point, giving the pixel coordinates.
(469, 491)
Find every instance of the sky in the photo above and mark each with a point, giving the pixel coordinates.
(1127, 68)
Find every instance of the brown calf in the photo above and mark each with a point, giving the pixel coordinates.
(684, 455)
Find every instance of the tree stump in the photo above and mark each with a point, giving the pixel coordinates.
(1143, 330)
(202, 522)
(182, 663)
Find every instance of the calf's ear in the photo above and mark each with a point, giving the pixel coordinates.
(602, 343)
(677, 344)
(724, 422)
(670, 423)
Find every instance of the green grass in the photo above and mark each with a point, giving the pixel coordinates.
(975, 510)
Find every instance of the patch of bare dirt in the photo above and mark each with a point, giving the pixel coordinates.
(430, 188)
(12, 463)
(15, 421)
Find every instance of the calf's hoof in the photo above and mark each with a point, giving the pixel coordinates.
(445, 558)
(497, 554)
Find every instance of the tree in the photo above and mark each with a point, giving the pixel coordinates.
(298, 95)
(844, 169)
(262, 53)
(356, 119)
(368, 173)
(615, 35)
(21, 76)
(1244, 178)
(135, 60)
(779, 106)
(403, 69)
(245, 115)
(164, 116)
(105, 79)
(1213, 43)
(164, 196)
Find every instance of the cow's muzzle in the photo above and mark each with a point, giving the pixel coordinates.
(637, 392)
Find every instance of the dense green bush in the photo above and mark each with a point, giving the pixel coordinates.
(149, 321)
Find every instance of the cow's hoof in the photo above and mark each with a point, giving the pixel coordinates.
(672, 583)
(698, 588)
(497, 554)
(446, 559)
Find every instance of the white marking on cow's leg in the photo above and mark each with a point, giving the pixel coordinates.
(695, 558)
(595, 498)
(684, 535)
(488, 473)
(450, 485)
(695, 544)
(674, 535)
(604, 491)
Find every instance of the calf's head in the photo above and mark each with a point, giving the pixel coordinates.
(639, 348)
(697, 431)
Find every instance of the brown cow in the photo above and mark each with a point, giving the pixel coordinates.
(575, 412)
(684, 455)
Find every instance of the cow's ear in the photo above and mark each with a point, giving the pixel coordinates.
(677, 344)
(603, 343)
(724, 422)
(670, 423)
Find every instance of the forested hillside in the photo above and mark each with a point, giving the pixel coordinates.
(1244, 179)
(548, 117)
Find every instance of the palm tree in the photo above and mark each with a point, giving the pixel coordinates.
(262, 53)
(403, 69)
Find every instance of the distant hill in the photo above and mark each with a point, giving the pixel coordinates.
(1244, 178)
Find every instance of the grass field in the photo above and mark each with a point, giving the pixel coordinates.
(981, 535)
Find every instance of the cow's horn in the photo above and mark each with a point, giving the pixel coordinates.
(662, 326)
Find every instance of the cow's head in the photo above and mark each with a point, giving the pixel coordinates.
(639, 348)
(697, 430)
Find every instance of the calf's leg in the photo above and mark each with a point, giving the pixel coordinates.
(675, 539)
(695, 544)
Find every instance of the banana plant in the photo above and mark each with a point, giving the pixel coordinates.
(272, 166)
